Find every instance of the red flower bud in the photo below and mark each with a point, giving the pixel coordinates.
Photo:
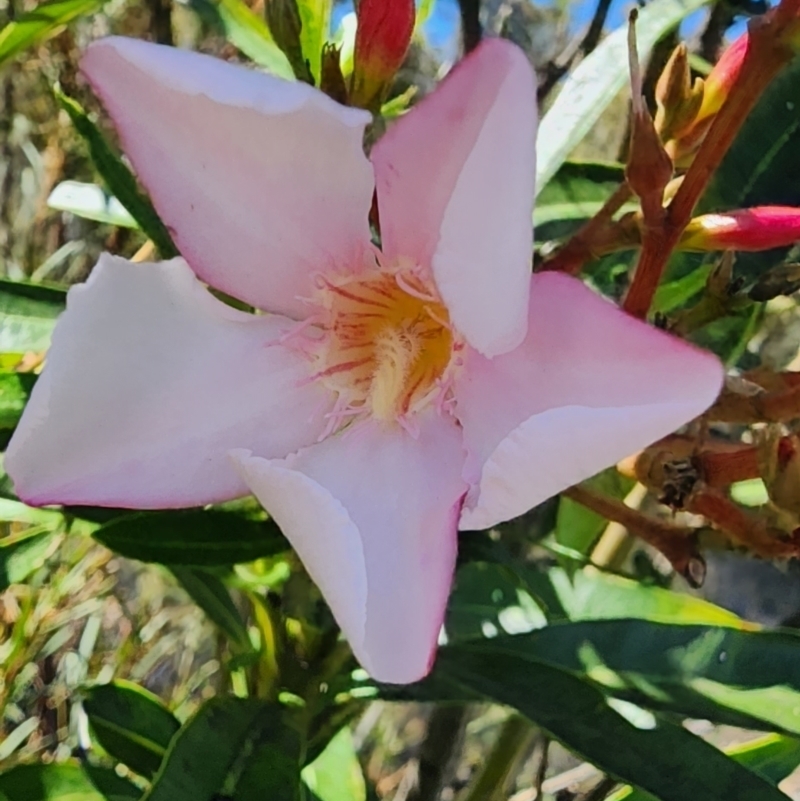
(759, 228)
(722, 77)
(382, 39)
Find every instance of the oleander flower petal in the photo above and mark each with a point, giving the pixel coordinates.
(372, 513)
(455, 181)
(148, 384)
(262, 182)
(589, 386)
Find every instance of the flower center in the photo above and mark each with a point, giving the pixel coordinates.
(387, 343)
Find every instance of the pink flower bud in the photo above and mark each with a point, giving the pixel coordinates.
(759, 228)
(382, 39)
(723, 77)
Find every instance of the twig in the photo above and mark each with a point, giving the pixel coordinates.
(471, 30)
(555, 70)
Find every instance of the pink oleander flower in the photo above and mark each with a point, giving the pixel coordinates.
(758, 228)
(388, 396)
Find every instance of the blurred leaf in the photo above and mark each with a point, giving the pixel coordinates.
(131, 724)
(752, 492)
(197, 537)
(40, 23)
(773, 757)
(673, 294)
(666, 760)
(578, 527)
(336, 775)
(238, 749)
(249, 32)
(118, 178)
(316, 17)
(577, 191)
(212, 596)
(15, 389)
(67, 782)
(28, 315)
(24, 555)
(91, 202)
(591, 595)
(595, 82)
(12, 511)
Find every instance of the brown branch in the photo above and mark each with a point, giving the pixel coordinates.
(766, 55)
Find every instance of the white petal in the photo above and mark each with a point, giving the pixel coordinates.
(149, 382)
(372, 514)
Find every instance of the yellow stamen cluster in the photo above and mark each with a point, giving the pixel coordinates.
(387, 344)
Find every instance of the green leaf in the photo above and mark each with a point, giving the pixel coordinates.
(91, 202)
(316, 25)
(67, 782)
(577, 527)
(250, 33)
(24, 555)
(40, 23)
(675, 293)
(666, 759)
(240, 749)
(28, 315)
(15, 389)
(131, 724)
(596, 81)
(590, 595)
(577, 191)
(197, 537)
(336, 775)
(744, 678)
(211, 595)
(118, 178)
(774, 757)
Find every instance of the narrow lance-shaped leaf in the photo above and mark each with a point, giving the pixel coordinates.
(199, 538)
(596, 81)
(211, 595)
(131, 724)
(40, 23)
(118, 178)
(666, 760)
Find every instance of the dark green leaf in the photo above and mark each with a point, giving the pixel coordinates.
(118, 178)
(666, 760)
(238, 749)
(763, 165)
(773, 757)
(131, 724)
(200, 538)
(68, 782)
(40, 23)
(211, 595)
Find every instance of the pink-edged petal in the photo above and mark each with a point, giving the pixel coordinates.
(588, 386)
(455, 181)
(372, 513)
(262, 181)
(148, 384)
